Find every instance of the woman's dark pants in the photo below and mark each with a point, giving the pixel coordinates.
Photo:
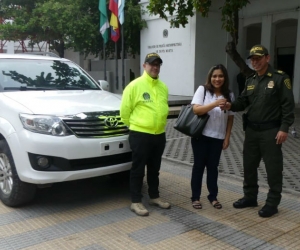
(207, 152)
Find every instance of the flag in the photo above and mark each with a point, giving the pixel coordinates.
(121, 5)
(114, 22)
(114, 34)
(104, 25)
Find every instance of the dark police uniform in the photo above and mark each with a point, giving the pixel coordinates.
(270, 103)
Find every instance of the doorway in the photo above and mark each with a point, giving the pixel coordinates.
(285, 60)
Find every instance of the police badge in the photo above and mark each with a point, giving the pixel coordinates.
(271, 85)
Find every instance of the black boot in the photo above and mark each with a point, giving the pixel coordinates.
(268, 211)
(242, 203)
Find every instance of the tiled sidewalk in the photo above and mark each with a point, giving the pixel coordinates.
(94, 215)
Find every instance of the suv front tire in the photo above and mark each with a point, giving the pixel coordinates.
(13, 191)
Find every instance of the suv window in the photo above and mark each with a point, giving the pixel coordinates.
(23, 74)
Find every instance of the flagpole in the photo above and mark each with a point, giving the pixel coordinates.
(123, 55)
(116, 58)
(103, 29)
(105, 78)
(115, 30)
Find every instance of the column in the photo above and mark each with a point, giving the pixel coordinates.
(241, 47)
(296, 80)
(268, 36)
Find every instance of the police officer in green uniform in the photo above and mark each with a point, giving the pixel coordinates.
(268, 99)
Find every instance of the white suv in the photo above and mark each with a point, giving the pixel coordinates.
(56, 124)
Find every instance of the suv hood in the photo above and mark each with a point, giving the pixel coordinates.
(66, 102)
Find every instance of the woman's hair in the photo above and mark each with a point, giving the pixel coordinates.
(225, 87)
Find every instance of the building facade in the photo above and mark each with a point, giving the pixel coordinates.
(189, 52)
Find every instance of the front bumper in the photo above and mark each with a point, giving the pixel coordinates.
(73, 158)
(62, 164)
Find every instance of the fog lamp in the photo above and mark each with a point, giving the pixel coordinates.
(43, 162)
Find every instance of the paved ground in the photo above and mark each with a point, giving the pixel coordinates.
(94, 214)
(179, 149)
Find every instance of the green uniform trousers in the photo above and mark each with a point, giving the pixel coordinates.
(262, 145)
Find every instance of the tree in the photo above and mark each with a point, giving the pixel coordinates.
(182, 9)
(66, 24)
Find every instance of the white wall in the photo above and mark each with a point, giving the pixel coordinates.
(210, 46)
(177, 51)
(10, 47)
(202, 45)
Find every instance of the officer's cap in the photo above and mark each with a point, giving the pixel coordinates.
(258, 50)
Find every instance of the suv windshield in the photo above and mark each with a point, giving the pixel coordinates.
(31, 74)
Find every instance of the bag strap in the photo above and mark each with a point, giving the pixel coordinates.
(204, 93)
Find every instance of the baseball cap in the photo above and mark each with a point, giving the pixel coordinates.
(258, 50)
(151, 57)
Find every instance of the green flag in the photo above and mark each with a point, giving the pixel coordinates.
(104, 25)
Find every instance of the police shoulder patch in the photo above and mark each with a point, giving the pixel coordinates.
(287, 83)
(280, 72)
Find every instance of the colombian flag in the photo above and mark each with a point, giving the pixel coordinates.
(114, 22)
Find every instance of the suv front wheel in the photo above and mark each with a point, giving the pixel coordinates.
(13, 191)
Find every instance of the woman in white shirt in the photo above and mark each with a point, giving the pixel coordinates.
(207, 149)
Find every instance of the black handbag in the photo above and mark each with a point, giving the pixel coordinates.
(190, 124)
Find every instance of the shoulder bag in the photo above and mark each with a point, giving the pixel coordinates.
(190, 124)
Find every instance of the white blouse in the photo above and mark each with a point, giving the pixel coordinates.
(217, 122)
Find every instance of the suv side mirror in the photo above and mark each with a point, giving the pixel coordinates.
(104, 85)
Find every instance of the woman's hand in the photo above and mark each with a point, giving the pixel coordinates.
(226, 143)
(225, 106)
(220, 102)
(203, 109)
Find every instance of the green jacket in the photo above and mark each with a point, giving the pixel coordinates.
(144, 106)
(268, 98)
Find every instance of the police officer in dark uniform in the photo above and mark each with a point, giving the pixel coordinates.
(268, 99)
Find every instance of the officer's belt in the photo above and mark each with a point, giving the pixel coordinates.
(263, 126)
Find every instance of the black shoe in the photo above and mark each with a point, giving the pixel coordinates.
(242, 203)
(267, 211)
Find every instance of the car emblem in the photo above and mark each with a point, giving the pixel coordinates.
(111, 122)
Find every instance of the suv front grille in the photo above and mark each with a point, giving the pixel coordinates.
(96, 124)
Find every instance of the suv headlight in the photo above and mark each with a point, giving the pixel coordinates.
(50, 125)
